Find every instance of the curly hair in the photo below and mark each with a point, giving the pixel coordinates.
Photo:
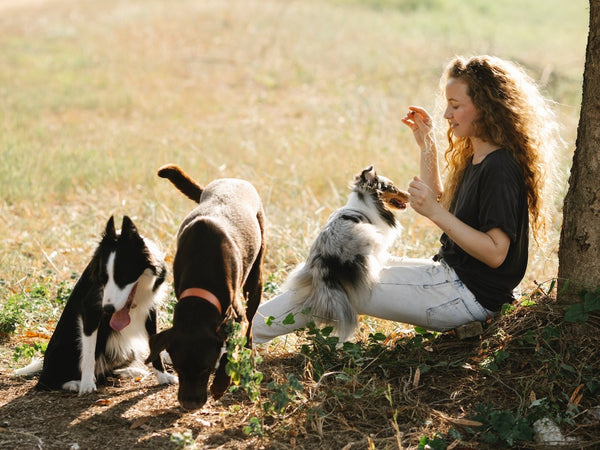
(511, 114)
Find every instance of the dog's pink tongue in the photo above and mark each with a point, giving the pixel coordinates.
(121, 319)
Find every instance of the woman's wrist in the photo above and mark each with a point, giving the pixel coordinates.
(428, 144)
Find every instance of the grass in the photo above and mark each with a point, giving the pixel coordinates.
(96, 100)
(296, 97)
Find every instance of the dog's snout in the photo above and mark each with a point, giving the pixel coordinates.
(192, 402)
(191, 405)
(109, 309)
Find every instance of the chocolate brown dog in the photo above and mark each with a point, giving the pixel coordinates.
(217, 266)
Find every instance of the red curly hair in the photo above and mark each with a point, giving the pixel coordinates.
(511, 114)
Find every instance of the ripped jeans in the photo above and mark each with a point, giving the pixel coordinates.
(416, 291)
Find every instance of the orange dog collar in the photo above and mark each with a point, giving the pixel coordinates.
(204, 294)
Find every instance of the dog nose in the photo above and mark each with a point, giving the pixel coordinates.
(109, 309)
(191, 404)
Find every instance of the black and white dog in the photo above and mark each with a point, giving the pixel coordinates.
(109, 316)
(346, 257)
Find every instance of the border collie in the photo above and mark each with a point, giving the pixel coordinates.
(109, 316)
(346, 257)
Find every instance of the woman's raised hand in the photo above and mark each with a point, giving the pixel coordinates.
(419, 121)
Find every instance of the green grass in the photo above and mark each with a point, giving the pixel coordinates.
(296, 97)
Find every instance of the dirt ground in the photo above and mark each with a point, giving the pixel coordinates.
(121, 414)
(127, 414)
(138, 413)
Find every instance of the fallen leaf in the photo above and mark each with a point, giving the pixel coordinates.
(417, 378)
(463, 422)
(138, 422)
(34, 334)
(457, 420)
(576, 397)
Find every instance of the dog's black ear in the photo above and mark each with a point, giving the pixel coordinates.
(368, 175)
(158, 343)
(128, 228)
(109, 231)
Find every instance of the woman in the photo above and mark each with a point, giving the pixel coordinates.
(499, 131)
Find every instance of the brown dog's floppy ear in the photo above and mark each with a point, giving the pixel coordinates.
(158, 343)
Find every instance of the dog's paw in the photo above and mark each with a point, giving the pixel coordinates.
(72, 386)
(78, 386)
(132, 372)
(217, 392)
(166, 378)
(87, 387)
(166, 358)
(219, 386)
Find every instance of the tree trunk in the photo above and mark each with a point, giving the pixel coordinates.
(579, 250)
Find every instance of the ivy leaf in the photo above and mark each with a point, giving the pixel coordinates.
(568, 368)
(591, 301)
(576, 313)
(289, 319)
(500, 356)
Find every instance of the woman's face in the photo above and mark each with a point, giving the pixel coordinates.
(460, 110)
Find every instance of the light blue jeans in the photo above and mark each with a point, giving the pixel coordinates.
(414, 291)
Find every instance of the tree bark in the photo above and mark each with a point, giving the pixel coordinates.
(579, 250)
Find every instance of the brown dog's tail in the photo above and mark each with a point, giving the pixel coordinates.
(181, 180)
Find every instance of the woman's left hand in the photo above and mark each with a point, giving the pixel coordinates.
(422, 198)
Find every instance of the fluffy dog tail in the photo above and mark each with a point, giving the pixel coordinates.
(181, 181)
(33, 368)
(328, 301)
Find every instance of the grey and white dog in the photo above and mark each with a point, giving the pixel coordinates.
(345, 259)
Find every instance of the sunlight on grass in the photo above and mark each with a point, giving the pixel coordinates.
(296, 97)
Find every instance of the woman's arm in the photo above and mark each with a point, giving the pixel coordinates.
(490, 247)
(421, 124)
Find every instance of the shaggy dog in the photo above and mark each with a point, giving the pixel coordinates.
(347, 255)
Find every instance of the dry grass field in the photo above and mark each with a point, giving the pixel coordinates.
(294, 96)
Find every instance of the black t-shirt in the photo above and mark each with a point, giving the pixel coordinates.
(492, 194)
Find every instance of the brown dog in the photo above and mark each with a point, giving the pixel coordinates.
(217, 265)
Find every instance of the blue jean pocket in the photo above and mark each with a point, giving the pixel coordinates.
(449, 315)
